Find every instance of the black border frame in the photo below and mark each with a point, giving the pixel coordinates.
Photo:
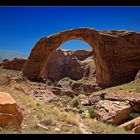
(70, 3)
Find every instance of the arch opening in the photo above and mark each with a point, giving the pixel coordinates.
(74, 45)
(73, 59)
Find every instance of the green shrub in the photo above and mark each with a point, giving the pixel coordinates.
(133, 115)
(91, 112)
(21, 79)
(49, 82)
(81, 110)
(76, 102)
(55, 83)
(137, 89)
(66, 82)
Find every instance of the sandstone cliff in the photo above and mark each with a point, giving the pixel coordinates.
(73, 64)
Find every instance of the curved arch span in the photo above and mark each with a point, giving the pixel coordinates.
(108, 47)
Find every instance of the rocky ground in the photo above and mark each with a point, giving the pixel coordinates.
(68, 106)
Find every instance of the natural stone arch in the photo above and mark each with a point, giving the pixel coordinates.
(109, 52)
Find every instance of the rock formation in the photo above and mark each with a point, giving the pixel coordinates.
(73, 64)
(133, 125)
(10, 115)
(14, 63)
(117, 54)
(113, 112)
(87, 89)
(63, 91)
(115, 107)
(44, 94)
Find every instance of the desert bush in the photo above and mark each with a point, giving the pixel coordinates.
(76, 102)
(21, 79)
(65, 82)
(133, 115)
(69, 118)
(55, 83)
(91, 112)
(81, 110)
(137, 89)
(49, 82)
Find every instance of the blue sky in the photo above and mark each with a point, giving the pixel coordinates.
(22, 27)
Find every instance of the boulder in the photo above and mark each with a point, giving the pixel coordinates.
(43, 94)
(14, 63)
(10, 115)
(133, 125)
(63, 91)
(84, 88)
(123, 96)
(95, 97)
(113, 112)
(132, 97)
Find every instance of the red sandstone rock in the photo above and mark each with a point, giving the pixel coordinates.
(70, 64)
(113, 112)
(63, 91)
(89, 69)
(67, 64)
(43, 94)
(133, 125)
(123, 96)
(84, 88)
(14, 64)
(82, 54)
(132, 97)
(10, 115)
(117, 54)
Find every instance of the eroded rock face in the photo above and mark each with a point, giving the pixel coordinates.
(117, 96)
(113, 112)
(10, 115)
(14, 64)
(117, 54)
(64, 63)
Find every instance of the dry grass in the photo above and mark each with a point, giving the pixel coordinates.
(101, 127)
(133, 86)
